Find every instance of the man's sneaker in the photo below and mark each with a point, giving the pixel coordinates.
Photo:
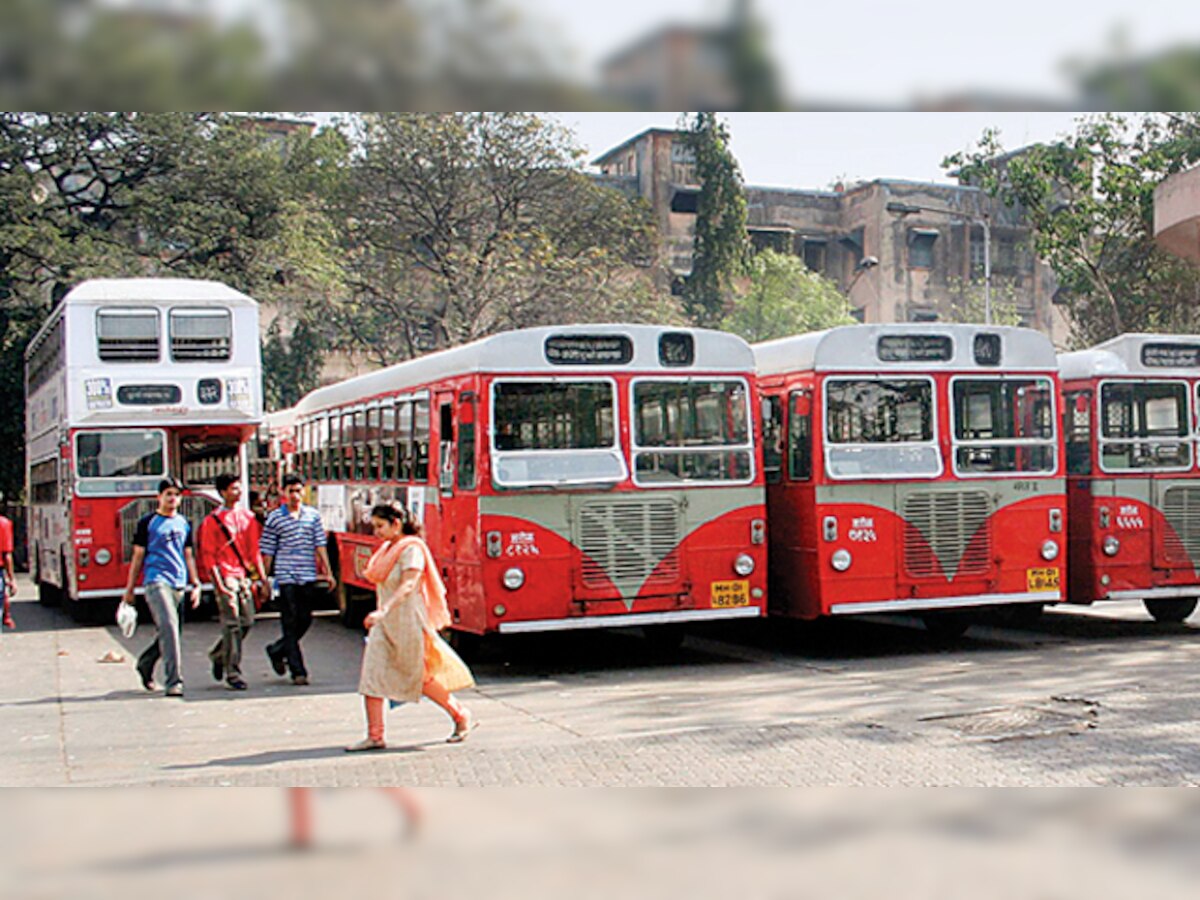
(236, 684)
(278, 663)
(218, 668)
(175, 690)
(301, 680)
(9, 623)
(147, 677)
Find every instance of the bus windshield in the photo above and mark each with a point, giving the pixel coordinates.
(555, 432)
(683, 427)
(1003, 425)
(120, 462)
(880, 427)
(1144, 425)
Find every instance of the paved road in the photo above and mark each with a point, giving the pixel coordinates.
(1087, 697)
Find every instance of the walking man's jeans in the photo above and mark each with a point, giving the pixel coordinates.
(166, 606)
(296, 603)
(237, 615)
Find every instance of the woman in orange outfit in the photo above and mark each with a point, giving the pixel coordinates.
(405, 659)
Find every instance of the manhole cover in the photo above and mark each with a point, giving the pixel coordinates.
(1003, 723)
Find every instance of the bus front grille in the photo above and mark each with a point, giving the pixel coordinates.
(1181, 508)
(193, 508)
(946, 533)
(628, 542)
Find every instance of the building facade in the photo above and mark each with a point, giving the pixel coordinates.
(902, 251)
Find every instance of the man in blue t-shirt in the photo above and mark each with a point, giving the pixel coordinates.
(162, 551)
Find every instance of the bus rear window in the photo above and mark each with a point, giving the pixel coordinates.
(878, 428)
(1144, 425)
(1004, 425)
(120, 462)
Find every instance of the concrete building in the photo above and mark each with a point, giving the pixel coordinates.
(1177, 214)
(901, 251)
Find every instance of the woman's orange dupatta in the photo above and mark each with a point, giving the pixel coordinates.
(385, 558)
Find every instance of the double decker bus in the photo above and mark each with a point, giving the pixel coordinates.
(128, 381)
(912, 468)
(1133, 485)
(567, 477)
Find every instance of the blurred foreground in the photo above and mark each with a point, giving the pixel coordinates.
(534, 843)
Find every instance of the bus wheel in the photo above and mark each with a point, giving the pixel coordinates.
(352, 608)
(48, 594)
(946, 626)
(466, 644)
(1171, 612)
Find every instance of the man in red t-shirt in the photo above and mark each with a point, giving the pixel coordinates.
(228, 554)
(8, 576)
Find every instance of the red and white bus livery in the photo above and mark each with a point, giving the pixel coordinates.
(567, 477)
(1133, 484)
(912, 468)
(128, 381)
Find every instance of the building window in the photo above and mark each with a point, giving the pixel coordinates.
(685, 200)
(977, 251)
(814, 255)
(920, 247)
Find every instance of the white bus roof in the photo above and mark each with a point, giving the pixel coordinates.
(1164, 355)
(146, 290)
(523, 352)
(857, 348)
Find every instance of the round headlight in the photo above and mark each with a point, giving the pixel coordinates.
(743, 565)
(1111, 546)
(103, 557)
(1049, 550)
(513, 578)
(840, 560)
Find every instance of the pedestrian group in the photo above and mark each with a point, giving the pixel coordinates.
(405, 658)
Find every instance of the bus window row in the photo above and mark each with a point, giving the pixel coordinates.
(386, 442)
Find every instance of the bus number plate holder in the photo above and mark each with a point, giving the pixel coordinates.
(1041, 579)
(728, 594)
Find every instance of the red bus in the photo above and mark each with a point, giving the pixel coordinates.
(1134, 489)
(912, 468)
(128, 381)
(568, 477)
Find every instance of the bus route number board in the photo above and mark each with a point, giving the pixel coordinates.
(1041, 579)
(728, 594)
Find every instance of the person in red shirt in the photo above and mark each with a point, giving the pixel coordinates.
(228, 555)
(8, 575)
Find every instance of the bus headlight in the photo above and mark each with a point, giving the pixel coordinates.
(1111, 546)
(513, 578)
(103, 557)
(840, 560)
(1049, 550)
(743, 565)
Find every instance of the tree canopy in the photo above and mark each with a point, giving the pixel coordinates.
(781, 297)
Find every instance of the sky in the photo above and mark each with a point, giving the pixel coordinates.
(813, 150)
(892, 53)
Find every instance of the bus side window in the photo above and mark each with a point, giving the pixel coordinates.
(800, 436)
(421, 441)
(404, 442)
(466, 446)
(387, 442)
(772, 430)
(1077, 429)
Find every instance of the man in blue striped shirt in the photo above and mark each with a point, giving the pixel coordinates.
(293, 541)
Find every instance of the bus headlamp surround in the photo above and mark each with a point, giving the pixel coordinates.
(103, 557)
(743, 565)
(840, 560)
(1049, 550)
(1111, 546)
(513, 578)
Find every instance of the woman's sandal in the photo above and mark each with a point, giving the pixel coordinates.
(366, 744)
(462, 729)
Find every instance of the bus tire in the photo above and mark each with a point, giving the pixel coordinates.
(467, 644)
(1026, 615)
(664, 638)
(946, 626)
(1171, 611)
(351, 605)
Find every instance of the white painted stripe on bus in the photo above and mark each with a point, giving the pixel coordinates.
(621, 621)
(1192, 590)
(841, 609)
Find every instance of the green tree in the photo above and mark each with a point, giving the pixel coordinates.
(970, 302)
(1089, 198)
(720, 245)
(753, 73)
(193, 195)
(781, 298)
(460, 225)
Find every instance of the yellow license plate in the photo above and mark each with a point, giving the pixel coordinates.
(1041, 579)
(727, 594)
